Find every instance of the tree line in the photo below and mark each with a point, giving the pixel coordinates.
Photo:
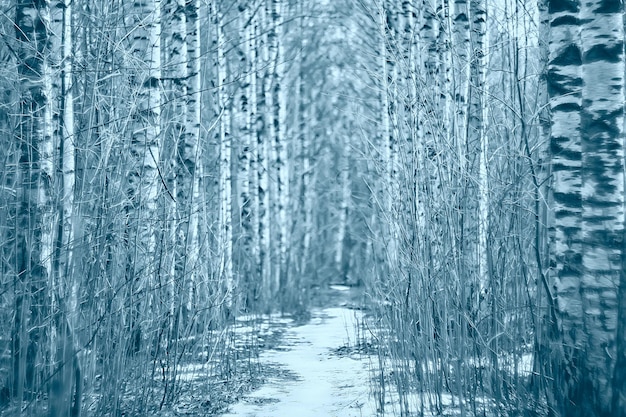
(501, 140)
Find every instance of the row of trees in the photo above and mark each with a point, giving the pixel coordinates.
(498, 128)
(161, 163)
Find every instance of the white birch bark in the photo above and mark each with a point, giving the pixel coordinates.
(255, 130)
(64, 283)
(478, 138)
(191, 156)
(280, 202)
(303, 172)
(602, 139)
(344, 206)
(245, 127)
(262, 163)
(461, 47)
(586, 87)
(68, 153)
(283, 162)
(618, 403)
(143, 19)
(444, 41)
(307, 177)
(564, 81)
(225, 235)
(174, 73)
(35, 211)
(386, 146)
(394, 53)
(410, 39)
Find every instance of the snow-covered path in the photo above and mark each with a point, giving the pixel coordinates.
(311, 378)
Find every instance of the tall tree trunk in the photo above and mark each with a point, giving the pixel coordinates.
(143, 174)
(461, 46)
(564, 81)
(254, 214)
(477, 144)
(225, 234)
(262, 163)
(344, 207)
(385, 145)
(35, 173)
(602, 129)
(279, 173)
(66, 382)
(190, 152)
(246, 90)
(178, 183)
(305, 192)
(586, 50)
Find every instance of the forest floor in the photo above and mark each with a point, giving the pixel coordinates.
(317, 364)
(319, 368)
(321, 364)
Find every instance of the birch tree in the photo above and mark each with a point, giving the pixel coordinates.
(263, 123)
(280, 162)
(385, 140)
(344, 207)
(586, 85)
(602, 193)
(564, 86)
(225, 235)
(477, 139)
(190, 196)
(246, 99)
(602, 127)
(173, 200)
(67, 383)
(254, 120)
(35, 173)
(143, 20)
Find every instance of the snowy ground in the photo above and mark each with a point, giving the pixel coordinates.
(319, 372)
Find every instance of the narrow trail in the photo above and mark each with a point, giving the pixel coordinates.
(319, 373)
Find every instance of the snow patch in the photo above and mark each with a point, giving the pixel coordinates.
(318, 382)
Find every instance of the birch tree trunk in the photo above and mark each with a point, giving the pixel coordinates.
(175, 198)
(35, 216)
(279, 170)
(344, 204)
(564, 82)
(254, 119)
(586, 86)
(306, 196)
(461, 38)
(191, 153)
(618, 403)
(602, 129)
(263, 123)
(385, 144)
(65, 399)
(143, 174)
(246, 123)
(225, 234)
(477, 143)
